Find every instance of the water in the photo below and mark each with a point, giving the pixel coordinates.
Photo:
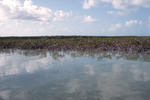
(43, 75)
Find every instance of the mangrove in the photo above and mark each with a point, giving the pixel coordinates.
(78, 43)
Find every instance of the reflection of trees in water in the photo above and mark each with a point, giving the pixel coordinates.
(93, 55)
(104, 55)
(118, 84)
(134, 57)
(40, 53)
(43, 53)
(99, 55)
(109, 55)
(57, 55)
(115, 81)
(7, 51)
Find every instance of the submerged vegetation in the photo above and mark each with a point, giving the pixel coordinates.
(79, 43)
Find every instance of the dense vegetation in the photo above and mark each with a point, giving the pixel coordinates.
(79, 43)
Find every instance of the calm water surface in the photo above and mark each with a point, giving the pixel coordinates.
(44, 75)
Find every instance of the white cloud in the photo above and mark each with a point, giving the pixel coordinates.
(115, 27)
(126, 24)
(89, 3)
(2, 24)
(132, 22)
(61, 15)
(13, 9)
(120, 13)
(89, 19)
(128, 4)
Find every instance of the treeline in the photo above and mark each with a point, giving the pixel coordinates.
(79, 43)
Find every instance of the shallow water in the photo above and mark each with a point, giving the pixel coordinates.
(44, 75)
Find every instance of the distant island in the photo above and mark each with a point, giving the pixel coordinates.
(135, 44)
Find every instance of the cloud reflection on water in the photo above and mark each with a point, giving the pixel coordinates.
(75, 75)
(89, 69)
(18, 64)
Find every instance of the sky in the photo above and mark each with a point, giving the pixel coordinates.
(75, 17)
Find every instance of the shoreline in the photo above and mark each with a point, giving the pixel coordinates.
(139, 44)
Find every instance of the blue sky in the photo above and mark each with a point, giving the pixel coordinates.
(74, 17)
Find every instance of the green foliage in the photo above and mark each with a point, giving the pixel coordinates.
(77, 43)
